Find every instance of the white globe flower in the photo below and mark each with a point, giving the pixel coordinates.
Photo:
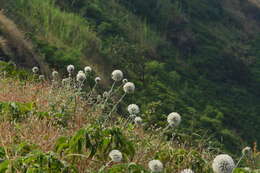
(116, 156)
(223, 163)
(70, 68)
(105, 94)
(187, 171)
(97, 79)
(133, 109)
(155, 166)
(87, 69)
(138, 120)
(35, 70)
(81, 77)
(117, 75)
(174, 119)
(41, 77)
(129, 87)
(55, 74)
(125, 81)
(246, 151)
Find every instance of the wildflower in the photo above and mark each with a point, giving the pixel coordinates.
(87, 69)
(129, 87)
(105, 94)
(174, 119)
(99, 98)
(133, 109)
(125, 81)
(117, 75)
(65, 81)
(138, 120)
(81, 77)
(246, 151)
(35, 70)
(97, 79)
(223, 163)
(70, 68)
(187, 171)
(41, 77)
(115, 155)
(155, 166)
(55, 74)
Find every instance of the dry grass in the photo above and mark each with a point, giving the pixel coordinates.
(41, 132)
(44, 133)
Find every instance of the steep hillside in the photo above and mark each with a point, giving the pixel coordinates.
(200, 58)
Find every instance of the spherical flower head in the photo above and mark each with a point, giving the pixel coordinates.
(138, 120)
(125, 81)
(99, 98)
(55, 74)
(133, 109)
(70, 68)
(117, 75)
(97, 79)
(41, 77)
(187, 171)
(129, 87)
(105, 94)
(223, 163)
(155, 166)
(246, 151)
(88, 69)
(81, 76)
(115, 155)
(65, 81)
(174, 119)
(35, 70)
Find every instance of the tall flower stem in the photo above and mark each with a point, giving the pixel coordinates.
(109, 93)
(115, 106)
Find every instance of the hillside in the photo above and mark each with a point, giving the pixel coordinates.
(200, 58)
(67, 127)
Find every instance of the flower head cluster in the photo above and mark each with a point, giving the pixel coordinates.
(187, 171)
(105, 94)
(223, 163)
(138, 120)
(174, 119)
(133, 109)
(125, 81)
(155, 166)
(117, 75)
(81, 76)
(246, 151)
(115, 155)
(97, 79)
(129, 87)
(41, 77)
(35, 70)
(55, 74)
(70, 68)
(87, 69)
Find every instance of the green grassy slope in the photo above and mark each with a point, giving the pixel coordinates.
(200, 58)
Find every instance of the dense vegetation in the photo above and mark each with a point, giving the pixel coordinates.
(199, 58)
(67, 126)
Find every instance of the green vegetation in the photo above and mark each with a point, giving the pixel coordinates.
(33, 139)
(199, 58)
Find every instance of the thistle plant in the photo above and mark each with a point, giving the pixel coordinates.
(115, 156)
(223, 163)
(155, 166)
